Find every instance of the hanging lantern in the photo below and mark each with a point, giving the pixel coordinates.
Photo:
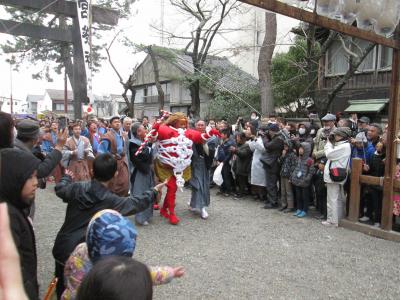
(348, 10)
(368, 13)
(328, 8)
(387, 22)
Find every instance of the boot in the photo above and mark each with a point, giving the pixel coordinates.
(173, 219)
(164, 213)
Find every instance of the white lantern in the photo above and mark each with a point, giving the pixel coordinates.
(348, 10)
(328, 8)
(368, 12)
(388, 20)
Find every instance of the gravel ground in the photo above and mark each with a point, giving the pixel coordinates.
(245, 252)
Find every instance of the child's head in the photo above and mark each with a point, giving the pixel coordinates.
(321, 164)
(225, 133)
(117, 278)
(104, 167)
(301, 151)
(240, 138)
(18, 181)
(110, 234)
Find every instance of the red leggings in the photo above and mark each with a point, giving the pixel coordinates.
(170, 196)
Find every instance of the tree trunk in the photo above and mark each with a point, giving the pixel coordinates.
(195, 95)
(265, 63)
(156, 70)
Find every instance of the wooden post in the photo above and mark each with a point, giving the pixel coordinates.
(355, 189)
(390, 165)
(79, 86)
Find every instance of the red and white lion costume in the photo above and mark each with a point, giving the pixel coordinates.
(174, 153)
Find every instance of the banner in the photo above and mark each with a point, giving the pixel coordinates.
(85, 25)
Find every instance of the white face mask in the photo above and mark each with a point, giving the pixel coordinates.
(253, 117)
(302, 131)
(312, 131)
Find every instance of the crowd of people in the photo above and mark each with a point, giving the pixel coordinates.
(108, 169)
(292, 166)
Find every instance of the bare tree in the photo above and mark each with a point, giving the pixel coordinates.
(265, 63)
(208, 16)
(127, 85)
(156, 71)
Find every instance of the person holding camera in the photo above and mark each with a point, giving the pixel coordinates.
(273, 143)
(322, 135)
(338, 153)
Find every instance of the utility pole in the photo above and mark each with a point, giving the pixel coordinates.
(162, 21)
(11, 89)
(65, 92)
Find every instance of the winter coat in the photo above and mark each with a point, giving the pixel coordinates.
(273, 150)
(320, 142)
(242, 164)
(364, 153)
(257, 169)
(16, 168)
(304, 171)
(224, 154)
(49, 162)
(288, 163)
(85, 199)
(306, 137)
(339, 154)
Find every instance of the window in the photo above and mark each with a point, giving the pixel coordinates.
(385, 57)
(336, 60)
(368, 63)
(60, 107)
(259, 38)
(145, 91)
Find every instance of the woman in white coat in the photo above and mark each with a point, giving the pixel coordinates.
(338, 152)
(257, 177)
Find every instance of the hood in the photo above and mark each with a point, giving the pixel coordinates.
(110, 234)
(16, 168)
(307, 150)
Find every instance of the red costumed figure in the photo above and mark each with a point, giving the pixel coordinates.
(174, 153)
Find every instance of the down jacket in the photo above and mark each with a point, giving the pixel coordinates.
(304, 171)
(339, 154)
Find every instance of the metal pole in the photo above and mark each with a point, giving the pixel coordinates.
(11, 89)
(65, 92)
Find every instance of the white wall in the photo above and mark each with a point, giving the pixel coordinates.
(45, 104)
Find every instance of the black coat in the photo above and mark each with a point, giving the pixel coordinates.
(84, 200)
(242, 165)
(273, 150)
(16, 168)
(24, 239)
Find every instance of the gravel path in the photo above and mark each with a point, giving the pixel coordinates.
(245, 252)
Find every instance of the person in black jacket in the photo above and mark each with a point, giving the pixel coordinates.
(18, 184)
(273, 144)
(84, 200)
(224, 156)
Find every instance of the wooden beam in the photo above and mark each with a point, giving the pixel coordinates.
(35, 31)
(393, 126)
(67, 8)
(370, 180)
(309, 17)
(370, 230)
(79, 80)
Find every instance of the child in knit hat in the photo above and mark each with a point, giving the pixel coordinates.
(108, 234)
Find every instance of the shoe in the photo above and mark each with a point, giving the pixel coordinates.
(219, 193)
(156, 206)
(363, 219)
(238, 196)
(377, 225)
(270, 206)
(227, 194)
(164, 213)
(283, 208)
(326, 223)
(297, 213)
(320, 217)
(302, 214)
(173, 219)
(204, 213)
(145, 223)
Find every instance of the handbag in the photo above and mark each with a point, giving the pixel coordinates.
(338, 174)
(217, 177)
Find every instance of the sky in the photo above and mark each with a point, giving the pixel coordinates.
(138, 29)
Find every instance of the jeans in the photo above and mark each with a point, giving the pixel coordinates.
(286, 193)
